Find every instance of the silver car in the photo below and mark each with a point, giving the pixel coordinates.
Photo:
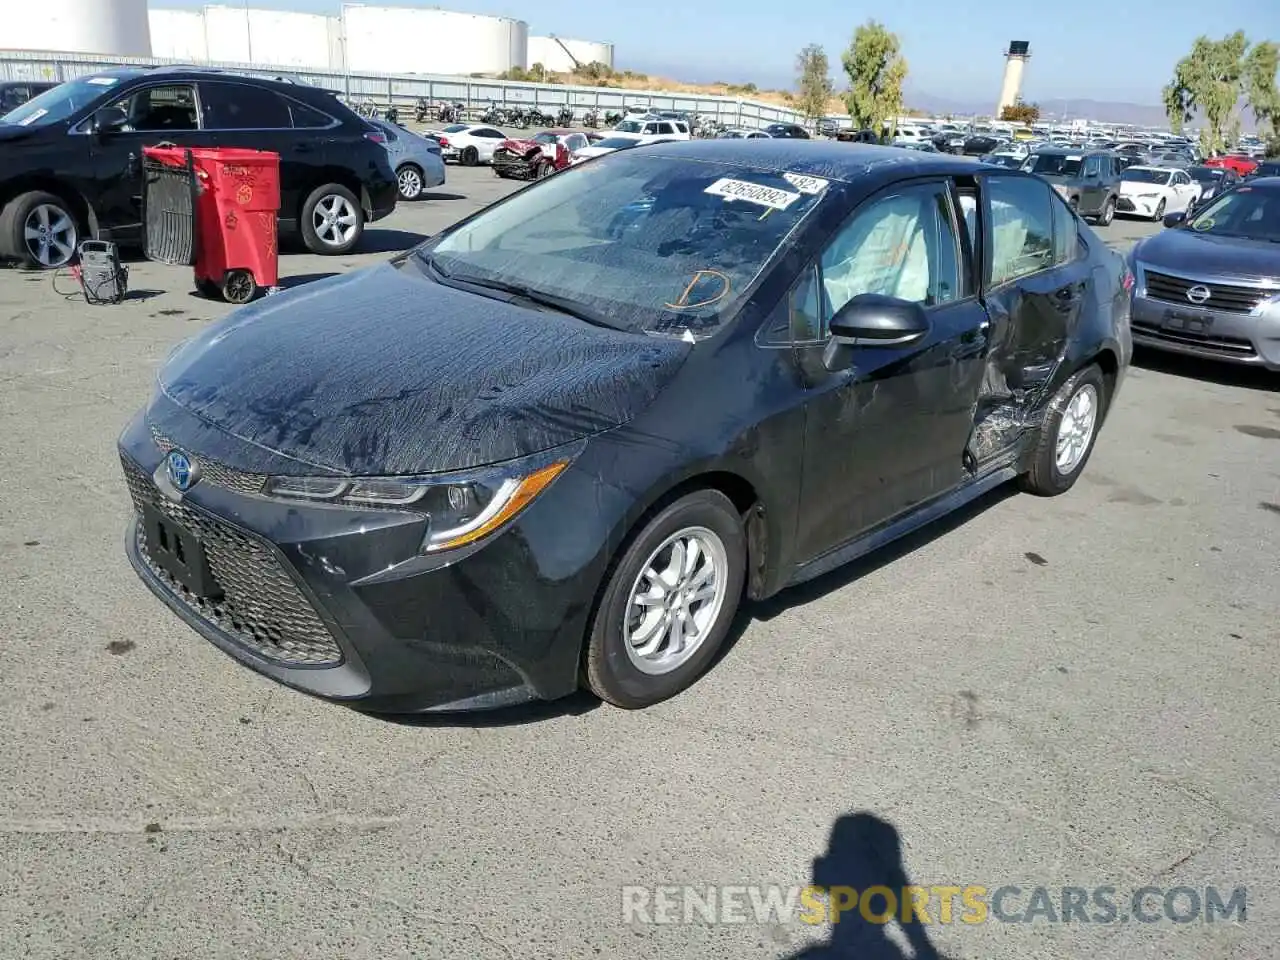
(416, 159)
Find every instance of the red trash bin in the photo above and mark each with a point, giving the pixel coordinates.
(237, 253)
(233, 196)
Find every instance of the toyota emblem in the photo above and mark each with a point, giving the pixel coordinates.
(1199, 294)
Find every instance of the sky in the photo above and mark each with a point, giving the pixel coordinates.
(1123, 52)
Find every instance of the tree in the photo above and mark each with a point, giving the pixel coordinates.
(1209, 79)
(1024, 113)
(1260, 69)
(814, 73)
(876, 71)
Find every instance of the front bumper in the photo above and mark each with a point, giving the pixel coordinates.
(516, 167)
(336, 602)
(1248, 339)
(1134, 205)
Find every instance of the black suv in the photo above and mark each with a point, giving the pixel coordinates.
(71, 158)
(1087, 179)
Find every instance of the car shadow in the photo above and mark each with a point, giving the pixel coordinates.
(819, 587)
(517, 715)
(439, 195)
(1206, 371)
(388, 241)
(865, 851)
(298, 279)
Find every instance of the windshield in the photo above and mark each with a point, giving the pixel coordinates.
(615, 143)
(645, 243)
(1145, 175)
(1245, 212)
(545, 138)
(1206, 174)
(629, 126)
(63, 101)
(1054, 164)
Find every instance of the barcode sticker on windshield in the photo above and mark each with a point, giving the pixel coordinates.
(27, 121)
(809, 185)
(753, 193)
(103, 81)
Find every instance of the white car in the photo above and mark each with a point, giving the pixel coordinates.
(1154, 192)
(469, 143)
(649, 130)
(913, 135)
(612, 143)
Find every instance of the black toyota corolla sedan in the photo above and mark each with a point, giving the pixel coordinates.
(559, 443)
(1210, 285)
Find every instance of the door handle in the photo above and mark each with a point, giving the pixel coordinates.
(131, 165)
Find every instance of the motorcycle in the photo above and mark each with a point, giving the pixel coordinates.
(613, 118)
(564, 118)
(421, 110)
(517, 118)
(493, 116)
(392, 115)
(449, 113)
(592, 119)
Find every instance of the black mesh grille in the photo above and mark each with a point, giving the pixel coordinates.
(214, 472)
(1225, 345)
(1222, 296)
(261, 607)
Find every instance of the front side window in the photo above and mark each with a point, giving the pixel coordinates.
(643, 243)
(1145, 175)
(238, 106)
(159, 109)
(1021, 218)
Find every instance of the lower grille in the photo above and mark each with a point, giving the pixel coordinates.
(1125, 205)
(262, 607)
(1224, 345)
(1222, 296)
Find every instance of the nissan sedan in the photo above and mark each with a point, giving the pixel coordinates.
(558, 445)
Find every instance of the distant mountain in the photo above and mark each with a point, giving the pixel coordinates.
(1104, 111)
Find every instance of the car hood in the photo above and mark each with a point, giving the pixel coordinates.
(386, 372)
(1202, 255)
(1134, 188)
(516, 145)
(10, 132)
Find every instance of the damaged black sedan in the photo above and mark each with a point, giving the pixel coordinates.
(557, 445)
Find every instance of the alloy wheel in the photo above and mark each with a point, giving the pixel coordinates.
(410, 183)
(1075, 429)
(334, 219)
(50, 235)
(676, 600)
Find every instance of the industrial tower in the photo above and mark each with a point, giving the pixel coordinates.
(1015, 62)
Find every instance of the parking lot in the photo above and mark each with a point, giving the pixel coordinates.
(1078, 691)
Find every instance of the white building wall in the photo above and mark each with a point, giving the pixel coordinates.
(558, 54)
(178, 34)
(110, 27)
(409, 40)
(277, 38)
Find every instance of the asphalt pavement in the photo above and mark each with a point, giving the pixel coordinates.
(1069, 692)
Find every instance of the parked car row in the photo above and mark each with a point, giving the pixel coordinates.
(71, 162)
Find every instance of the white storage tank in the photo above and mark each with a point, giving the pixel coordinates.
(178, 34)
(112, 27)
(414, 40)
(277, 38)
(559, 54)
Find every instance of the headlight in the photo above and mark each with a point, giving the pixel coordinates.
(1147, 196)
(459, 511)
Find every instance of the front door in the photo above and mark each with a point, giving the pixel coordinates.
(887, 432)
(152, 114)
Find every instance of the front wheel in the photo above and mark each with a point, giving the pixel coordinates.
(1108, 212)
(1067, 435)
(669, 602)
(40, 230)
(332, 220)
(1159, 214)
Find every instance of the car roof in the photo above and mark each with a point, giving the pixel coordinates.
(829, 159)
(1147, 166)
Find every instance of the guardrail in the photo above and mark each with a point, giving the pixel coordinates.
(404, 90)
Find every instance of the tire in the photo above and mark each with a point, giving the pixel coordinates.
(326, 210)
(629, 678)
(1159, 214)
(469, 157)
(1108, 212)
(51, 219)
(410, 181)
(544, 170)
(1048, 475)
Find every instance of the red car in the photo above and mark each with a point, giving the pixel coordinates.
(1237, 163)
(538, 156)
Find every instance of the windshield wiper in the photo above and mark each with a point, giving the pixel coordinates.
(548, 300)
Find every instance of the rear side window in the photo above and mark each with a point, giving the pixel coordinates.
(238, 106)
(1021, 218)
(308, 118)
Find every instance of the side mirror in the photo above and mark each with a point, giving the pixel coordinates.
(1175, 219)
(109, 120)
(872, 320)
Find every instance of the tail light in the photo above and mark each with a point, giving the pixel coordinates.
(376, 137)
(1126, 280)
(443, 141)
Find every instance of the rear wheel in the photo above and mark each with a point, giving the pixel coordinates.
(669, 602)
(1067, 434)
(409, 180)
(470, 156)
(332, 220)
(40, 230)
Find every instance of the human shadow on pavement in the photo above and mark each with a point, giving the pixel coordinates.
(865, 851)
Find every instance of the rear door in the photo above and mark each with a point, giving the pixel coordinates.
(1036, 278)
